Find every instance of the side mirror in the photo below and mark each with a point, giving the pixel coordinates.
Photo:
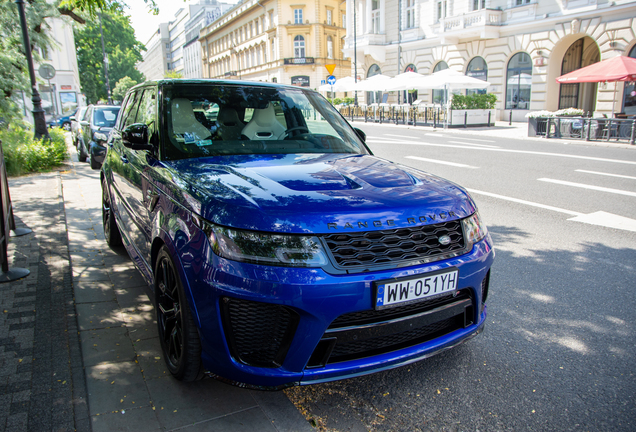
(72, 118)
(135, 137)
(361, 135)
(84, 123)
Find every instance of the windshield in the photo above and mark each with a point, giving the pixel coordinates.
(105, 117)
(213, 120)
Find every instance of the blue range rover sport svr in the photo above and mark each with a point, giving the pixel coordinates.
(281, 251)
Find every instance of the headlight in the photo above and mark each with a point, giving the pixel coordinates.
(474, 229)
(100, 136)
(265, 248)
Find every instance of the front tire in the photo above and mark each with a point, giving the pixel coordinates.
(177, 331)
(94, 164)
(82, 154)
(111, 231)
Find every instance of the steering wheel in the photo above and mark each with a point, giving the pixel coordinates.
(297, 128)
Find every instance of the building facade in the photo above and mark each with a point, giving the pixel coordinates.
(277, 41)
(174, 46)
(519, 46)
(61, 95)
(155, 58)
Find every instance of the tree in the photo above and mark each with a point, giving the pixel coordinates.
(14, 74)
(121, 46)
(172, 75)
(123, 85)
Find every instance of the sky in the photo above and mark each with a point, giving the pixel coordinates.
(145, 23)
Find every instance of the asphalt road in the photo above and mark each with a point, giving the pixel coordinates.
(559, 349)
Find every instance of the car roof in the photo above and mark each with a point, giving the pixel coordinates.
(206, 82)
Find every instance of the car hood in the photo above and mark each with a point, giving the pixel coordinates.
(303, 193)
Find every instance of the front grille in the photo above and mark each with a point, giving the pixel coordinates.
(375, 248)
(373, 316)
(352, 350)
(258, 334)
(372, 332)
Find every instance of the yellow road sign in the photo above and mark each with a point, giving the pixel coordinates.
(330, 68)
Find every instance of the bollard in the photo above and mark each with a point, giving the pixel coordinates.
(489, 118)
(510, 119)
(589, 127)
(465, 119)
(631, 140)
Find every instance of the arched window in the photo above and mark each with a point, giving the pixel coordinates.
(519, 82)
(299, 47)
(374, 97)
(477, 68)
(438, 95)
(629, 94)
(410, 95)
(329, 47)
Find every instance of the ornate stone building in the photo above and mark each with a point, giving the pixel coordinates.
(277, 41)
(519, 46)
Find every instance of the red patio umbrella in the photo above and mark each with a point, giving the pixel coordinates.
(619, 68)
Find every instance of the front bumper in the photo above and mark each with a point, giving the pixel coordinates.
(301, 351)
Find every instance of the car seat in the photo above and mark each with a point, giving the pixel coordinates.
(230, 127)
(263, 125)
(184, 122)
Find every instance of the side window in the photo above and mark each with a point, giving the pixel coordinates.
(130, 110)
(147, 112)
(87, 114)
(120, 117)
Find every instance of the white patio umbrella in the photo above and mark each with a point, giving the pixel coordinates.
(406, 81)
(342, 85)
(375, 83)
(452, 80)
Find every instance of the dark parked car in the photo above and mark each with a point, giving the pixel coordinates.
(76, 129)
(96, 126)
(279, 249)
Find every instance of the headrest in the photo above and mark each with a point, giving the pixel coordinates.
(265, 116)
(228, 117)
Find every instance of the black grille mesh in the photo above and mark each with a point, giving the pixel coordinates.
(374, 316)
(259, 334)
(372, 248)
(367, 347)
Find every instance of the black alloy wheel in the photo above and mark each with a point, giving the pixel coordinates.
(111, 231)
(177, 331)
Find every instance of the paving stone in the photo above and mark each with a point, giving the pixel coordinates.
(98, 315)
(109, 345)
(91, 292)
(115, 386)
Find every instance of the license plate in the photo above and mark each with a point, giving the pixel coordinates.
(410, 290)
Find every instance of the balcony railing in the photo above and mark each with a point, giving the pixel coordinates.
(480, 18)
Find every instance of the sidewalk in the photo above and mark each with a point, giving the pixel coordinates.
(78, 338)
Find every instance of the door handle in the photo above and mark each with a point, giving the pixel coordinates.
(124, 159)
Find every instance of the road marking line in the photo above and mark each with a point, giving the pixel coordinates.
(530, 203)
(441, 162)
(591, 187)
(607, 220)
(599, 218)
(606, 174)
(618, 161)
(400, 136)
(480, 140)
(473, 144)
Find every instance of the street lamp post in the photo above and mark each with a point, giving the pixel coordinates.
(355, 53)
(38, 113)
(101, 34)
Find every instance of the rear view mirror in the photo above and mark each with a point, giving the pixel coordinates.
(135, 137)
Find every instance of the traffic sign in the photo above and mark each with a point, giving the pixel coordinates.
(330, 68)
(331, 80)
(46, 71)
